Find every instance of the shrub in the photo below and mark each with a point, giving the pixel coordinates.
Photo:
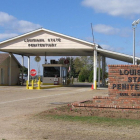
(90, 79)
(83, 75)
(81, 78)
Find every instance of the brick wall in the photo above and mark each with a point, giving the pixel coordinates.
(124, 81)
(123, 87)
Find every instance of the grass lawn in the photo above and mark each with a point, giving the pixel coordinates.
(96, 120)
(92, 117)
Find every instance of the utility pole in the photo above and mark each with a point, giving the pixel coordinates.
(134, 25)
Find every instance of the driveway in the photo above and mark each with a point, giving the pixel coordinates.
(18, 107)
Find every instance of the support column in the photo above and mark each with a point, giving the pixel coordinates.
(133, 45)
(95, 69)
(99, 71)
(103, 71)
(22, 67)
(136, 61)
(10, 69)
(28, 69)
(60, 72)
(61, 75)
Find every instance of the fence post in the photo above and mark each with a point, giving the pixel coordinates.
(32, 84)
(39, 83)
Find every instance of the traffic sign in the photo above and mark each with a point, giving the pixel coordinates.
(33, 72)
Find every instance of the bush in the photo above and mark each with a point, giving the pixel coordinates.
(68, 81)
(91, 75)
(90, 79)
(83, 75)
(81, 78)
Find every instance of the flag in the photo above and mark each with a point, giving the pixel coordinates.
(69, 69)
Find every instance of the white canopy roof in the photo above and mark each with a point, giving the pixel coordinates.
(41, 41)
(54, 44)
(117, 56)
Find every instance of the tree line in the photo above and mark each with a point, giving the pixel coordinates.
(81, 67)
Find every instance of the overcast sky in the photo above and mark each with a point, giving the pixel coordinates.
(111, 19)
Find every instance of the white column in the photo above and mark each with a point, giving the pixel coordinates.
(136, 61)
(99, 71)
(61, 75)
(60, 71)
(22, 67)
(95, 69)
(103, 71)
(134, 46)
(28, 68)
(10, 69)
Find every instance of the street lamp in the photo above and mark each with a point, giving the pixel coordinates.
(134, 24)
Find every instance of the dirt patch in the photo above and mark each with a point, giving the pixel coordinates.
(87, 111)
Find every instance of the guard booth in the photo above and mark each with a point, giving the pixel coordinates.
(54, 74)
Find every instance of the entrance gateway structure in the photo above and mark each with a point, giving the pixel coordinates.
(41, 41)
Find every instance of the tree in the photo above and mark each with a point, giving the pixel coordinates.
(91, 75)
(83, 62)
(81, 78)
(78, 64)
(83, 65)
(61, 60)
(87, 62)
(84, 75)
(72, 71)
(90, 79)
(25, 70)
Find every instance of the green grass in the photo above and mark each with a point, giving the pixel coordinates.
(96, 120)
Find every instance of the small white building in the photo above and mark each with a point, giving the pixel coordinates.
(54, 71)
(9, 64)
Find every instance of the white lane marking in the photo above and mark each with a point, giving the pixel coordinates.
(12, 89)
(41, 97)
(59, 89)
(54, 89)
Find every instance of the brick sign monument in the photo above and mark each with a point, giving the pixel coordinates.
(123, 89)
(124, 81)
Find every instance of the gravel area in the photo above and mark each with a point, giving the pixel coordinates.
(18, 108)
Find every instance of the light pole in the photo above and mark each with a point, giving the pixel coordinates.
(134, 25)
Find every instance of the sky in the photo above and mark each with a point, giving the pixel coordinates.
(111, 20)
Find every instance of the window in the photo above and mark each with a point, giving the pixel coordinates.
(51, 71)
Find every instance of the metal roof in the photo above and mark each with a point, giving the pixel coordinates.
(117, 56)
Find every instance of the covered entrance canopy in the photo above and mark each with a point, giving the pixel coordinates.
(37, 42)
(43, 42)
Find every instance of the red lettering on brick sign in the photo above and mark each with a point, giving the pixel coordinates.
(33, 72)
